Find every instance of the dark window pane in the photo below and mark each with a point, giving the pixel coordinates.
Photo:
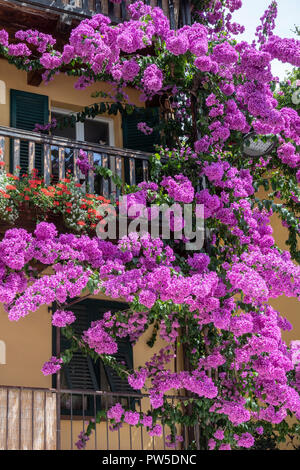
(67, 133)
(96, 132)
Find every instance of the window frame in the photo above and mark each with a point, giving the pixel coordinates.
(79, 126)
(89, 411)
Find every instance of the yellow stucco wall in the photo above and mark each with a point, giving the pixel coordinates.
(28, 344)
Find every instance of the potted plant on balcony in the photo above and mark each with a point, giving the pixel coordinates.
(25, 201)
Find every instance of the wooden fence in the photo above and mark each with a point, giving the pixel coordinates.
(27, 419)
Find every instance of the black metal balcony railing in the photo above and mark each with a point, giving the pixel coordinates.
(57, 155)
(178, 11)
(30, 419)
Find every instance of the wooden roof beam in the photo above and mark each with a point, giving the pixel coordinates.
(34, 78)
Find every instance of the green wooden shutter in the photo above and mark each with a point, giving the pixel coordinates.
(123, 356)
(27, 110)
(81, 372)
(96, 309)
(133, 138)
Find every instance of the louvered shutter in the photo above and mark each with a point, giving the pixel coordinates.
(27, 110)
(123, 356)
(80, 372)
(135, 139)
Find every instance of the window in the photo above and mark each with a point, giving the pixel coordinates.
(134, 139)
(82, 373)
(95, 131)
(2, 352)
(27, 110)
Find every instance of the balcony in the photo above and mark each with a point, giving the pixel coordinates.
(57, 155)
(31, 419)
(178, 11)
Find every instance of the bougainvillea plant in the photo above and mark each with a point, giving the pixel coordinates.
(239, 375)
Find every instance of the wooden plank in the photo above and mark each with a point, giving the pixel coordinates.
(171, 14)
(34, 78)
(145, 170)
(38, 421)
(104, 4)
(176, 13)
(50, 421)
(26, 420)
(105, 182)
(75, 166)
(112, 165)
(13, 420)
(47, 164)
(16, 158)
(3, 418)
(31, 157)
(91, 173)
(2, 148)
(131, 171)
(61, 163)
(124, 15)
(117, 13)
(118, 171)
(165, 7)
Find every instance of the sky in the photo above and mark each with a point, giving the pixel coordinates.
(288, 13)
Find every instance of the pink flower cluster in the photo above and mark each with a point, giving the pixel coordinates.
(83, 163)
(52, 366)
(144, 128)
(62, 318)
(179, 188)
